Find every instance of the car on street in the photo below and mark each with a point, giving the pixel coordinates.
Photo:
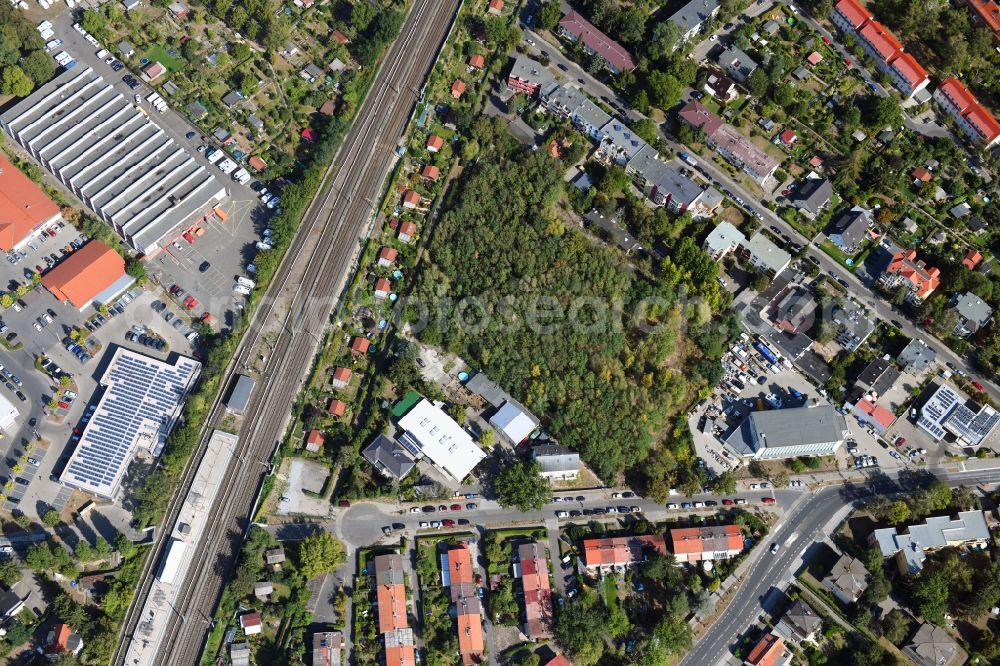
(741, 501)
(448, 522)
(190, 135)
(456, 507)
(900, 442)
(471, 505)
(414, 509)
(33, 461)
(687, 505)
(424, 524)
(727, 502)
(428, 509)
(767, 500)
(436, 524)
(775, 547)
(562, 514)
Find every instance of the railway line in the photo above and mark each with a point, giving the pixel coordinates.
(296, 309)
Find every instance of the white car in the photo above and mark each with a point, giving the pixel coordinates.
(177, 246)
(562, 514)
(6, 549)
(424, 524)
(53, 44)
(35, 325)
(754, 486)
(672, 506)
(102, 54)
(414, 509)
(699, 505)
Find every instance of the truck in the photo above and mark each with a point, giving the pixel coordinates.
(227, 166)
(687, 158)
(765, 352)
(241, 176)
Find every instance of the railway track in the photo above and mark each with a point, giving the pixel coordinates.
(301, 300)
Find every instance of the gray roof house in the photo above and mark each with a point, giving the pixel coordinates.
(854, 324)
(557, 461)
(487, 389)
(11, 604)
(311, 72)
(812, 197)
(274, 556)
(693, 15)
(848, 229)
(910, 545)
(973, 314)
(232, 98)
(125, 49)
(737, 63)
(723, 239)
(799, 624)
(789, 433)
(619, 143)
(878, 377)
(933, 646)
(197, 110)
(389, 457)
(916, 356)
(847, 580)
(239, 654)
(614, 229)
(590, 118)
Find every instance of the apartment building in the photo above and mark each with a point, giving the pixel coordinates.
(971, 117)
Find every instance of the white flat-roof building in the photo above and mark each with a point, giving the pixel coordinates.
(113, 157)
(430, 432)
(8, 413)
(142, 399)
(947, 411)
(514, 422)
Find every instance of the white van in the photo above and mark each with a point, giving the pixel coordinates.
(241, 176)
(246, 282)
(215, 156)
(102, 54)
(240, 289)
(43, 26)
(227, 166)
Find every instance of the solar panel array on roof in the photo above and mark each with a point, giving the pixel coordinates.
(138, 408)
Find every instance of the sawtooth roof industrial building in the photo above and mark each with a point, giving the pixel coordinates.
(142, 399)
(112, 156)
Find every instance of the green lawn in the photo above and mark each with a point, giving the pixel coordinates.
(159, 54)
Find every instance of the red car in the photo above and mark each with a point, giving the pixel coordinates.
(979, 387)
(63, 405)
(826, 40)
(767, 500)
(847, 61)
(727, 502)
(448, 522)
(456, 507)
(188, 237)
(190, 302)
(900, 442)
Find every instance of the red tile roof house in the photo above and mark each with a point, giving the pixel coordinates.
(574, 27)
(314, 441)
(972, 259)
(387, 257)
(495, 7)
(457, 88)
(988, 13)
(359, 346)
(694, 544)
(434, 143)
(250, 623)
(340, 37)
(559, 660)
(814, 58)
(879, 417)
(407, 230)
(788, 137)
(336, 407)
(382, 289)
(532, 570)
(411, 199)
(769, 651)
(905, 270)
(257, 163)
(341, 378)
(921, 175)
(621, 552)
(430, 173)
(477, 61)
(977, 123)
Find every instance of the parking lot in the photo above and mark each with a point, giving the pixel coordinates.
(228, 245)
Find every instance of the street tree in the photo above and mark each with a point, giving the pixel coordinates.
(520, 484)
(320, 553)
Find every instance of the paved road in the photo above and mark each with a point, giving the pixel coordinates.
(808, 522)
(295, 311)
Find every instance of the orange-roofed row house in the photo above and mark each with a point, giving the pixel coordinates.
(533, 573)
(460, 579)
(604, 554)
(718, 542)
(972, 117)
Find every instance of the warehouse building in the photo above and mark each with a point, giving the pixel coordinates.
(24, 208)
(95, 272)
(789, 433)
(112, 156)
(142, 399)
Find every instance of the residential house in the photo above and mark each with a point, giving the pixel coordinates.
(557, 462)
(434, 143)
(326, 648)
(854, 324)
(971, 117)
(314, 441)
(814, 58)
(250, 623)
(619, 144)
(61, 640)
(812, 197)
(723, 239)
(178, 9)
(849, 228)
(786, 138)
(800, 623)
(765, 255)
(126, 50)
(232, 98)
(11, 604)
(877, 378)
(614, 230)
(476, 61)
(558, 660)
(400, 648)
(239, 654)
(960, 210)
(770, 650)
(972, 259)
(715, 542)
(576, 28)
(720, 87)
(514, 422)
(129, 5)
(336, 66)
(495, 7)
(590, 119)
(916, 356)
(691, 17)
(274, 558)
(987, 13)
(336, 408)
(528, 76)
(289, 50)
(795, 311)
(407, 231)
(430, 173)
(905, 270)
(737, 64)
(262, 589)
(411, 200)
(532, 572)
(613, 553)
(311, 72)
(973, 314)
(910, 545)
(154, 70)
(458, 88)
(771, 28)
(383, 288)
(847, 580)
(666, 186)
(874, 415)
(390, 592)
(257, 164)
(341, 378)
(737, 149)
(359, 346)
(933, 646)
(389, 458)
(948, 411)
(458, 575)
(386, 258)
(850, 16)
(340, 37)
(921, 175)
